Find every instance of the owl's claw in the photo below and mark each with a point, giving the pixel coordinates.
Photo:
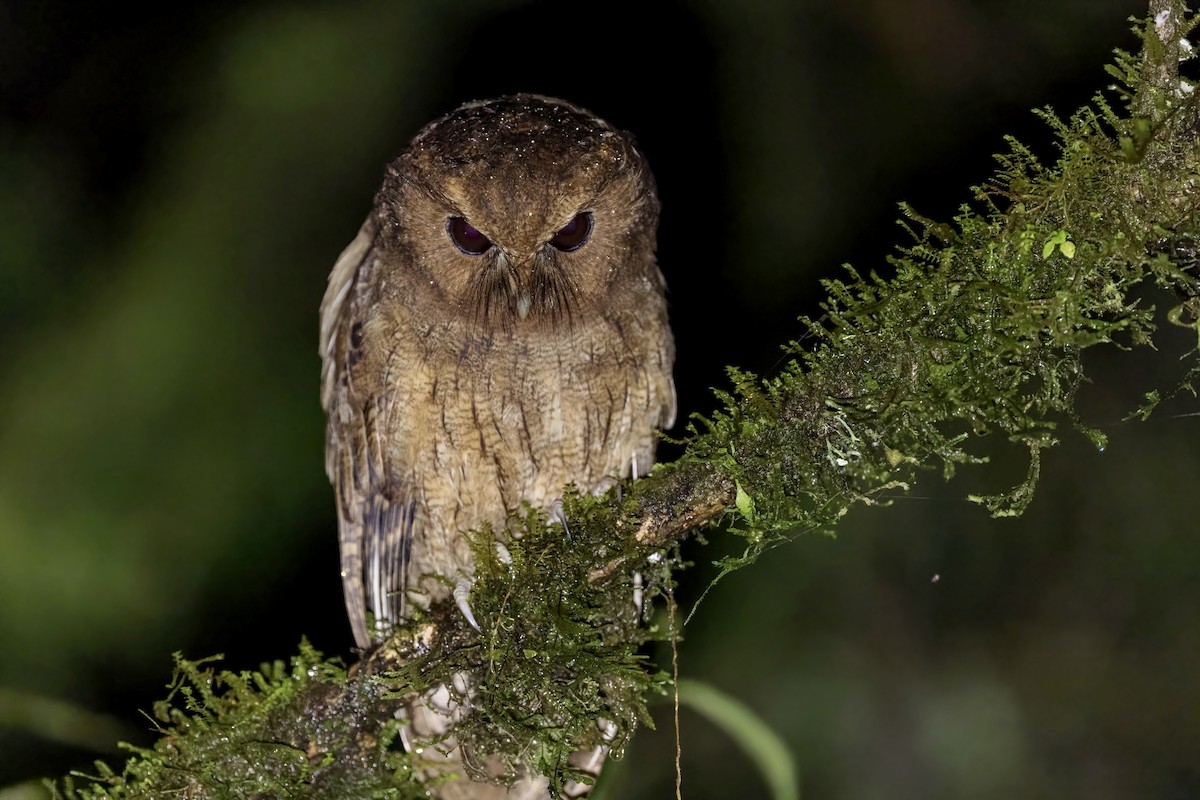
(462, 594)
(639, 593)
(557, 514)
(591, 762)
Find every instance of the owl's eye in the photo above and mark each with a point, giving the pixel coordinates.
(574, 234)
(466, 238)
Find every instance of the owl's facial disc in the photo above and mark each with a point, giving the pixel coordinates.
(521, 280)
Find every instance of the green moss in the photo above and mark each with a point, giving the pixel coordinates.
(298, 730)
(557, 652)
(978, 332)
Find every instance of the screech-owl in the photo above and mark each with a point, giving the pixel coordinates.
(496, 331)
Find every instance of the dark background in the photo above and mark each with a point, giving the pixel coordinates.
(176, 183)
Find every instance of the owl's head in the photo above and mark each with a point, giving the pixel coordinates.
(522, 210)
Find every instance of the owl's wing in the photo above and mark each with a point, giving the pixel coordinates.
(375, 511)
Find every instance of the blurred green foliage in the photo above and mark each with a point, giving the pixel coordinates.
(160, 465)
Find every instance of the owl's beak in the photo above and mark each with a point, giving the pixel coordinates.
(517, 286)
(527, 285)
(524, 269)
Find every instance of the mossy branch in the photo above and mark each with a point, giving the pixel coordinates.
(978, 333)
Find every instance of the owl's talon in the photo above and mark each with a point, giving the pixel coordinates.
(639, 594)
(608, 729)
(406, 740)
(462, 594)
(591, 761)
(502, 554)
(557, 514)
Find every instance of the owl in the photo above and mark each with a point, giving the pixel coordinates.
(496, 331)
